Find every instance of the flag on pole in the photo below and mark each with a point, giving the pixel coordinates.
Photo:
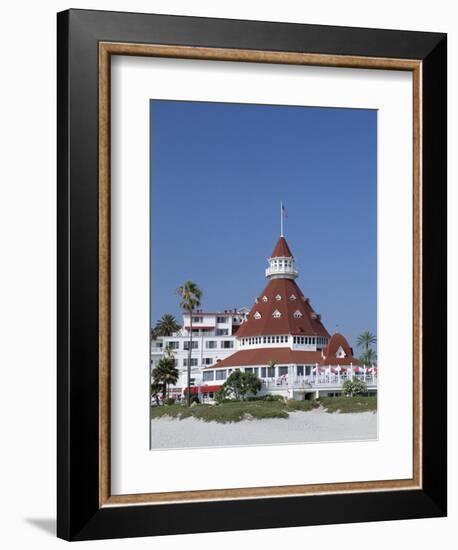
(283, 216)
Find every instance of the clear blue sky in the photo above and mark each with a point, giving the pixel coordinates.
(218, 174)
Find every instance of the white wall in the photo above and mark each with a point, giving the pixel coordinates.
(27, 274)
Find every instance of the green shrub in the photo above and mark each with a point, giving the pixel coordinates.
(240, 384)
(354, 387)
(220, 395)
(273, 398)
(169, 401)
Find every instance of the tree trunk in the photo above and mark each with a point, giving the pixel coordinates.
(189, 359)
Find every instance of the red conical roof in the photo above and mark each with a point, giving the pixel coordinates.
(336, 342)
(282, 309)
(281, 249)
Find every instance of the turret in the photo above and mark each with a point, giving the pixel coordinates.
(281, 262)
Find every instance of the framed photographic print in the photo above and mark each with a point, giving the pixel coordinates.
(252, 274)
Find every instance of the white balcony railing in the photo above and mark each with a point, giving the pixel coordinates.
(310, 382)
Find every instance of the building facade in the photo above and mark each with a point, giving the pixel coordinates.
(281, 339)
(213, 339)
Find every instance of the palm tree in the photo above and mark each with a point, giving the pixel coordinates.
(191, 296)
(369, 357)
(165, 372)
(365, 340)
(166, 325)
(156, 388)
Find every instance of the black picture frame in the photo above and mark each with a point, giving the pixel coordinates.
(79, 515)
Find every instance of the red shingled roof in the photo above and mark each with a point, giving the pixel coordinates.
(305, 323)
(262, 356)
(336, 342)
(281, 249)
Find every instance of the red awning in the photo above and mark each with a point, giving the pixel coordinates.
(202, 389)
(336, 369)
(199, 327)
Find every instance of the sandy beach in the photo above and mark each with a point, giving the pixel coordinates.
(300, 427)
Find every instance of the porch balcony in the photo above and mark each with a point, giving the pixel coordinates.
(316, 381)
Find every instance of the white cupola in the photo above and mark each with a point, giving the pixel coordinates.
(281, 263)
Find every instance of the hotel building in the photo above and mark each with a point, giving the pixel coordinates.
(281, 339)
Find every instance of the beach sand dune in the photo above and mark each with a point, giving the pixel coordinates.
(300, 427)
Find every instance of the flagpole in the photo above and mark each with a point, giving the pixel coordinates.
(281, 219)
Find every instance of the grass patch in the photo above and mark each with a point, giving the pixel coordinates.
(348, 404)
(308, 405)
(235, 411)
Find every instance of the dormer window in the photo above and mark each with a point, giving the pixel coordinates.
(297, 314)
(257, 315)
(265, 299)
(292, 297)
(276, 314)
(340, 353)
(278, 297)
(313, 315)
